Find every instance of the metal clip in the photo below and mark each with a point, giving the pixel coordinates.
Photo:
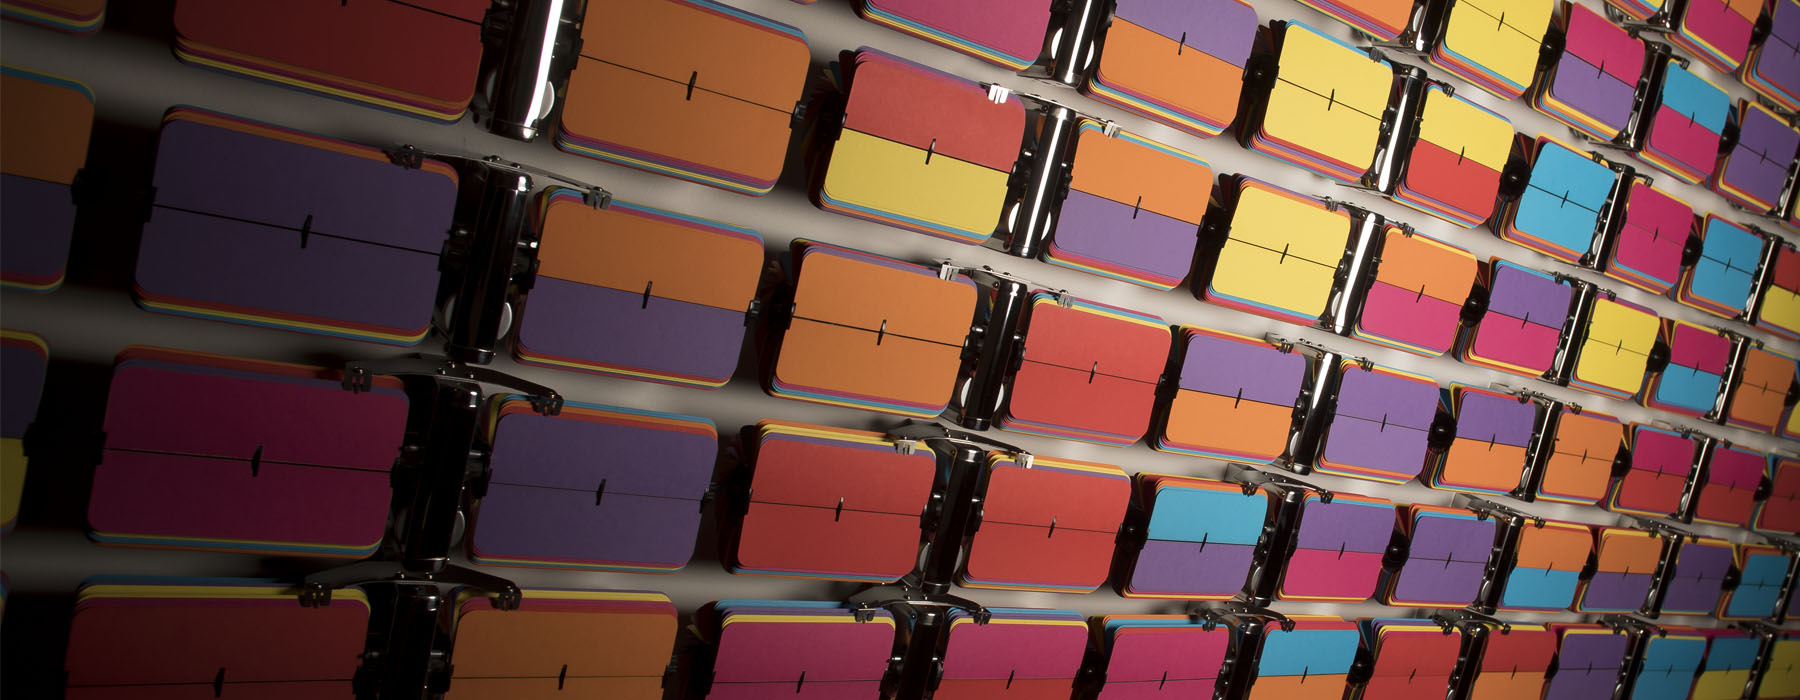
(907, 435)
(1287, 345)
(1252, 478)
(1210, 616)
(1457, 619)
(1486, 508)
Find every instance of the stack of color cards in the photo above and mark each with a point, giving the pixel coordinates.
(1488, 453)
(1730, 659)
(1637, 9)
(1624, 569)
(1493, 43)
(1588, 659)
(1446, 560)
(1453, 169)
(1513, 664)
(1325, 105)
(1670, 660)
(1047, 527)
(1780, 679)
(549, 503)
(1779, 513)
(1179, 63)
(870, 332)
(1762, 386)
(599, 270)
(1008, 33)
(1132, 208)
(1717, 31)
(1416, 300)
(1020, 654)
(1524, 319)
(1382, 19)
(44, 128)
(1583, 446)
(214, 452)
(254, 223)
(1199, 542)
(829, 503)
(347, 51)
(919, 149)
(1765, 570)
(1413, 659)
(1310, 662)
(217, 638)
(1727, 496)
(1790, 427)
(1593, 84)
(1723, 281)
(1698, 580)
(73, 16)
(1778, 312)
(23, 362)
(1772, 68)
(1234, 398)
(1661, 461)
(612, 644)
(1615, 348)
(1691, 382)
(767, 647)
(1684, 129)
(1157, 656)
(686, 88)
(1647, 254)
(1279, 255)
(1754, 172)
(1338, 545)
(1559, 211)
(1547, 569)
(1088, 372)
(1381, 426)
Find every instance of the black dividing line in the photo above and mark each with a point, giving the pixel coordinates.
(255, 459)
(1330, 99)
(1093, 372)
(598, 492)
(306, 231)
(786, 112)
(882, 332)
(440, 13)
(1283, 252)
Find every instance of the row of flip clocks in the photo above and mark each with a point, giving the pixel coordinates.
(478, 347)
(715, 93)
(248, 640)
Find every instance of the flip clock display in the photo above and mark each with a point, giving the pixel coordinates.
(1149, 656)
(47, 143)
(24, 357)
(549, 504)
(691, 89)
(823, 502)
(381, 464)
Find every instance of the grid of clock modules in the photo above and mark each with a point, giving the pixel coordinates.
(1565, 469)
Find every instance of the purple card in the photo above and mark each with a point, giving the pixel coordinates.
(595, 487)
(292, 234)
